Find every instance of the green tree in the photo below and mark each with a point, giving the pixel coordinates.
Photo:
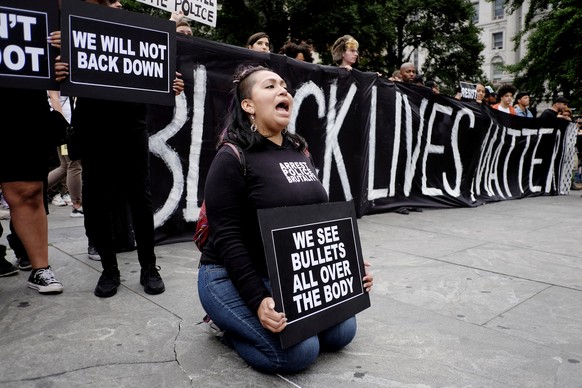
(553, 63)
(386, 30)
(136, 6)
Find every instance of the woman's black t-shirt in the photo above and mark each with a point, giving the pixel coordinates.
(276, 176)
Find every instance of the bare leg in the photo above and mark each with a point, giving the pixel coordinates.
(29, 218)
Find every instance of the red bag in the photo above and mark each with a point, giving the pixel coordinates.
(202, 228)
(202, 231)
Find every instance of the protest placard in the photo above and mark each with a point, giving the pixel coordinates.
(468, 91)
(315, 266)
(201, 11)
(117, 55)
(26, 57)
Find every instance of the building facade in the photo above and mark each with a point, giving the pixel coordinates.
(498, 29)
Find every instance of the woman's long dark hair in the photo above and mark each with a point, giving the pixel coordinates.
(238, 126)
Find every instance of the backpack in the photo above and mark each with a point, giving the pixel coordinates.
(202, 228)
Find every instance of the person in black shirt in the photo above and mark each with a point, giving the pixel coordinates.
(114, 151)
(552, 112)
(233, 281)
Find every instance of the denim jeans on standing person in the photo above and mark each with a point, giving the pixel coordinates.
(259, 347)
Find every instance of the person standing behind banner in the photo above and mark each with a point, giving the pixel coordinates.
(552, 112)
(505, 93)
(522, 104)
(490, 96)
(115, 153)
(344, 52)
(299, 51)
(432, 85)
(408, 72)
(396, 76)
(233, 283)
(182, 25)
(259, 42)
(479, 93)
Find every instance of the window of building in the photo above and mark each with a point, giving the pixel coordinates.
(498, 10)
(497, 40)
(497, 67)
(476, 12)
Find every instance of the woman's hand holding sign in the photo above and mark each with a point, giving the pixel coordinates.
(61, 69)
(269, 318)
(368, 279)
(54, 39)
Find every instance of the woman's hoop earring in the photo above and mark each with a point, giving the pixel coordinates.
(285, 131)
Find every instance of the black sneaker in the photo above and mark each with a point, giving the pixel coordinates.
(108, 283)
(24, 263)
(43, 280)
(151, 280)
(19, 252)
(6, 267)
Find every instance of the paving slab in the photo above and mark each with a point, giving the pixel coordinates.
(468, 297)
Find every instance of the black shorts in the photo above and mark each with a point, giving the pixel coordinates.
(24, 147)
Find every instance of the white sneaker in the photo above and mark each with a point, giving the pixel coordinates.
(4, 214)
(58, 200)
(76, 213)
(93, 254)
(67, 199)
(3, 203)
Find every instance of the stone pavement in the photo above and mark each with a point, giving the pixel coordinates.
(469, 297)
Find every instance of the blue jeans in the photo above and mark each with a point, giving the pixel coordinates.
(259, 347)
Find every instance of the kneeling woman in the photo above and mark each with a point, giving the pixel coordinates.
(233, 281)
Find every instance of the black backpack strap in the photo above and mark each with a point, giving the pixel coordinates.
(240, 154)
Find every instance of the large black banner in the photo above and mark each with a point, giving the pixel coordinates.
(381, 144)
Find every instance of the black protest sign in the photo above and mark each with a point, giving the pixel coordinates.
(117, 55)
(26, 58)
(315, 266)
(468, 91)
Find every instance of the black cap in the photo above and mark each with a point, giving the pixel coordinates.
(520, 95)
(562, 99)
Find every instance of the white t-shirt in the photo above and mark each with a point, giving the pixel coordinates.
(506, 110)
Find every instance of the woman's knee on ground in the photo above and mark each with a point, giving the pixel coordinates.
(338, 336)
(291, 360)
